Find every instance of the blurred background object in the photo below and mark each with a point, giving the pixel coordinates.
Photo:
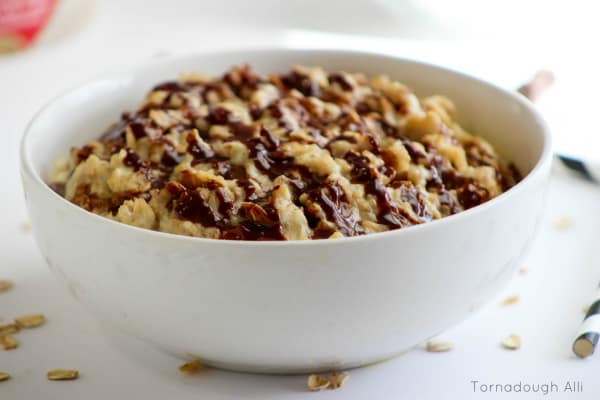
(21, 21)
(534, 21)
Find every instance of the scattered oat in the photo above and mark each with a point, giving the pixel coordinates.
(62, 374)
(334, 380)
(5, 285)
(512, 342)
(9, 328)
(317, 382)
(510, 300)
(523, 271)
(4, 376)
(438, 347)
(30, 321)
(564, 223)
(337, 379)
(26, 227)
(191, 366)
(8, 342)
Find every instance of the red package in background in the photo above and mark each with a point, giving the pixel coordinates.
(21, 21)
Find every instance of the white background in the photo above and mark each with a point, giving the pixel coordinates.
(86, 39)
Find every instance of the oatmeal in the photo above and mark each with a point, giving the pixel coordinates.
(308, 154)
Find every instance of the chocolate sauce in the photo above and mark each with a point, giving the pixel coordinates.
(302, 83)
(255, 112)
(416, 154)
(227, 170)
(200, 150)
(471, 195)
(249, 230)
(341, 80)
(117, 130)
(449, 205)
(249, 189)
(388, 212)
(256, 217)
(59, 188)
(133, 160)
(170, 156)
(221, 116)
(410, 194)
(261, 223)
(241, 131)
(362, 107)
(225, 203)
(172, 86)
(84, 152)
(189, 205)
(241, 79)
(334, 203)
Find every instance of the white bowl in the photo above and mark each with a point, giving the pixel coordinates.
(288, 306)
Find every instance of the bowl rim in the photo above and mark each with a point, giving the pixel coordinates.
(544, 158)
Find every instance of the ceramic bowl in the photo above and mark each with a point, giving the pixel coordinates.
(288, 306)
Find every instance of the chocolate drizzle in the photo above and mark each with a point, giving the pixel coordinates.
(389, 214)
(189, 205)
(341, 80)
(302, 83)
(332, 199)
(252, 215)
(200, 150)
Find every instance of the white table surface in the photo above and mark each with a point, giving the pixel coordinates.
(562, 265)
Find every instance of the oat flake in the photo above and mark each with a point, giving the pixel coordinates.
(191, 366)
(5, 285)
(510, 300)
(512, 342)
(438, 347)
(565, 223)
(9, 328)
(62, 374)
(30, 320)
(8, 342)
(337, 379)
(317, 382)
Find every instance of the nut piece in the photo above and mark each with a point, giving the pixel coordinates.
(4, 376)
(8, 342)
(317, 382)
(512, 342)
(510, 300)
(30, 321)
(5, 285)
(438, 347)
(62, 374)
(337, 379)
(191, 366)
(9, 328)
